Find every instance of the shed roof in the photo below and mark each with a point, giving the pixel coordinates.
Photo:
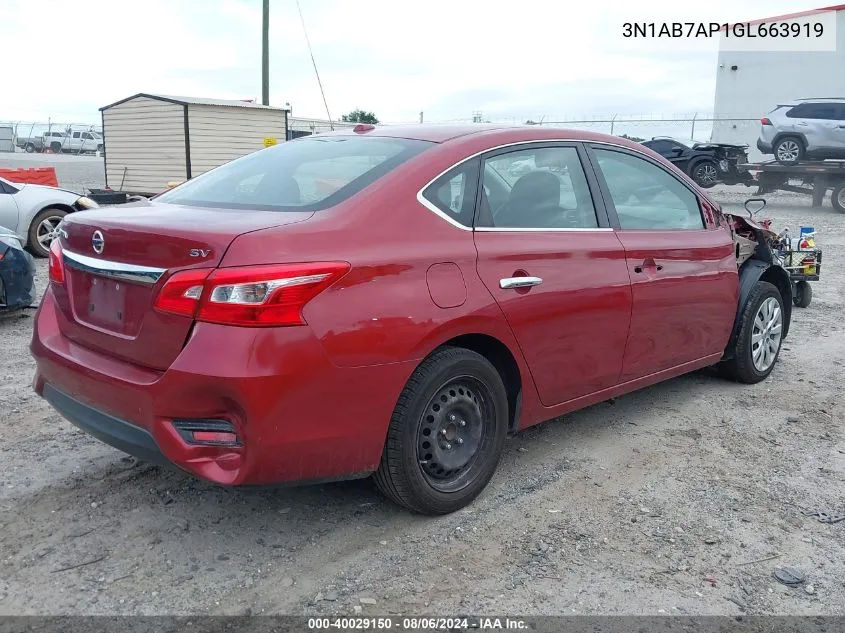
(196, 101)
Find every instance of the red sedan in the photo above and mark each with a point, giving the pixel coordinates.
(394, 301)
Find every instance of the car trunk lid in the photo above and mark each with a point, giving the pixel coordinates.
(116, 260)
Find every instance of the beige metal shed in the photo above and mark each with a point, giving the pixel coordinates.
(151, 139)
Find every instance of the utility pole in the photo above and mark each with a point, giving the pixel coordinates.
(421, 117)
(265, 55)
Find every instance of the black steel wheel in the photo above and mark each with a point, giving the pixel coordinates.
(802, 294)
(446, 433)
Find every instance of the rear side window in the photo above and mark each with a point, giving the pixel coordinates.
(825, 111)
(309, 174)
(647, 196)
(454, 192)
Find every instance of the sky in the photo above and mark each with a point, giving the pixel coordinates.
(512, 61)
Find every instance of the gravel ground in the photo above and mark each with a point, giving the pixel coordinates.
(681, 498)
(77, 173)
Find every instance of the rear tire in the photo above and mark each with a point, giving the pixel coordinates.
(803, 294)
(760, 336)
(705, 173)
(29, 148)
(446, 433)
(42, 231)
(789, 150)
(837, 198)
(56, 148)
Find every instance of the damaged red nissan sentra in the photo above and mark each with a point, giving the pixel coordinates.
(394, 301)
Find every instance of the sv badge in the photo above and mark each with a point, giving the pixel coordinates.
(199, 252)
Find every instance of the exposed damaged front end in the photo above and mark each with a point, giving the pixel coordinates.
(752, 239)
(758, 258)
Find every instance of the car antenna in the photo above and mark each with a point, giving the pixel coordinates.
(311, 52)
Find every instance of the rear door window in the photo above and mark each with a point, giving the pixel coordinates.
(536, 188)
(308, 174)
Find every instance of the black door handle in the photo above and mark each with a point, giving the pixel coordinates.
(639, 269)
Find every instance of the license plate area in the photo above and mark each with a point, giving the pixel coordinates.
(110, 305)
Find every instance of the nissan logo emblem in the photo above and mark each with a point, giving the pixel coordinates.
(98, 242)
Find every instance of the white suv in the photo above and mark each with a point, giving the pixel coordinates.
(806, 129)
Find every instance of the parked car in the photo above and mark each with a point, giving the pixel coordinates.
(251, 327)
(34, 212)
(807, 129)
(17, 273)
(30, 144)
(707, 163)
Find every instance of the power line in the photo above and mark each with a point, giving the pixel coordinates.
(310, 52)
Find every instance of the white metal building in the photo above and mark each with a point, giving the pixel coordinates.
(151, 140)
(750, 84)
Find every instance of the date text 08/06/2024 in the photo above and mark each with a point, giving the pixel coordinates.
(422, 623)
(773, 30)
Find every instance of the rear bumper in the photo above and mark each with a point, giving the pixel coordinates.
(298, 417)
(122, 435)
(764, 146)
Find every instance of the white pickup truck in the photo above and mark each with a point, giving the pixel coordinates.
(75, 141)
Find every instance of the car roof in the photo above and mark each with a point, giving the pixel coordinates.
(500, 133)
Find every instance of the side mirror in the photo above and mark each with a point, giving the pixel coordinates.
(755, 205)
(677, 151)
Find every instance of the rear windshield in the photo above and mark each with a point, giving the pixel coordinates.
(304, 175)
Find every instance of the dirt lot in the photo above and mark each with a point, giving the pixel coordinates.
(681, 498)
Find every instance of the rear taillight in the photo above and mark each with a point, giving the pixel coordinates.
(257, 296)
(181, 293)
(56, 266)
(765, 121)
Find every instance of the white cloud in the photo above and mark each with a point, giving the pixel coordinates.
(446, 57)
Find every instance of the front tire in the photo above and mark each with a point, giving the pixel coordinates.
(446, 433)
(760, 336)
(803, 294)
(705, 174)
(43, 230)
(789, 150)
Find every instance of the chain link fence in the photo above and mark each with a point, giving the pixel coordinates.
(40, 136)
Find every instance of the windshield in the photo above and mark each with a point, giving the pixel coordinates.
(304, 175)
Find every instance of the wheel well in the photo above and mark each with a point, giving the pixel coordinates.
(60, 207)
(798, 137)
(501, 358)
(778, 277)
(701, 159)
